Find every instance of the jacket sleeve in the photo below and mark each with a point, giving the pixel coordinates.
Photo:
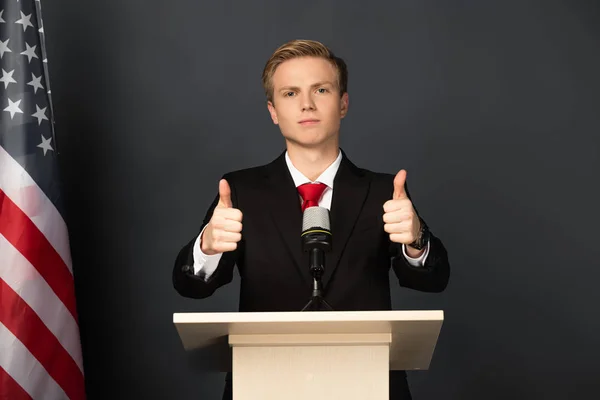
(185, 282)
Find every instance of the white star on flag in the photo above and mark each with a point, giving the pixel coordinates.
(13, 108)
(2, 20)
(4, 48)
(36, 82)
(30, 52)
(40, 114)
(7, 78)
(25, 21)
(45, 144)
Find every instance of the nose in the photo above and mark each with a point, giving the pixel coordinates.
(307, 103)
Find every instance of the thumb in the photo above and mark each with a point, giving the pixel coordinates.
(399, 181)
(224, 194)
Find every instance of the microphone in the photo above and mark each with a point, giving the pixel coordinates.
(316, 240)
(316, 237)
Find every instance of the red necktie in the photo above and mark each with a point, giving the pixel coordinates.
(311, 194)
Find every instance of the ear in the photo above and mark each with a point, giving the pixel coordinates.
(344, 104)
(273, 112)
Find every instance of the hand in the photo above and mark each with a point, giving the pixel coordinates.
(223, 232)
(401, 220)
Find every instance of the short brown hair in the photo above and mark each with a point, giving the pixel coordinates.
(302, 48)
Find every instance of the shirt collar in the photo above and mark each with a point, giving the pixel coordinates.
(326, 177)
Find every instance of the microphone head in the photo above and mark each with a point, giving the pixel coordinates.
(315, 218)
(316, 231)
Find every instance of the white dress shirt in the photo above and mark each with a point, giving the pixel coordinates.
(205, 265)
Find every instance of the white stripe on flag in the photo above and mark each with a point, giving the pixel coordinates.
(22, 366)
(23, 278)
(26, 194)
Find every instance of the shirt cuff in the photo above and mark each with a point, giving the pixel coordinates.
(419, 261)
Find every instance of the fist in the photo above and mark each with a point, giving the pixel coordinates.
(223, 232)
(401, 221)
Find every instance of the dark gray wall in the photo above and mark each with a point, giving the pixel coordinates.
(491, 106)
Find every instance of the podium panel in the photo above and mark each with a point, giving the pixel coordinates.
(314, 366)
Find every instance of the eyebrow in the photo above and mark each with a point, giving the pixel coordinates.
(322, 83)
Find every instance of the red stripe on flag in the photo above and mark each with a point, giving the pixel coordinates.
(25, 324)
(22, 233)
(10, 389)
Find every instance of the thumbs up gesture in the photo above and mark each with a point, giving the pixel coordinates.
(223, 232)
(400, 218)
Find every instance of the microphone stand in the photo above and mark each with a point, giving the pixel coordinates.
(317, 302)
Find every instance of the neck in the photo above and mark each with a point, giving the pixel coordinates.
(312, 161)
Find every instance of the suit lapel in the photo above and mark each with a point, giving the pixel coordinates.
(350, 189)
(285, 209)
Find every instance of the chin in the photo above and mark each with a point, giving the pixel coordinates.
(309, 138)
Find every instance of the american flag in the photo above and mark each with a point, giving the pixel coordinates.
(40, 351)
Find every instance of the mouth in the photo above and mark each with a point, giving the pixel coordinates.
(310, 121)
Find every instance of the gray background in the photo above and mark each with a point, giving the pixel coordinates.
(491, 106)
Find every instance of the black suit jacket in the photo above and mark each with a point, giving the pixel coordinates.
(274, 271)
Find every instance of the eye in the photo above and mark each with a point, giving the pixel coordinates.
(288, 94)
(322, 90)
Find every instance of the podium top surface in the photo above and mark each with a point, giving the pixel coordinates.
(414, 333)
(307, 316)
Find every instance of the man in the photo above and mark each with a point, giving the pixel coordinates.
(255, 221)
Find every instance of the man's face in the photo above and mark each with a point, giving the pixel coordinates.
(306, 101)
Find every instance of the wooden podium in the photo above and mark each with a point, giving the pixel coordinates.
(313, 355)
